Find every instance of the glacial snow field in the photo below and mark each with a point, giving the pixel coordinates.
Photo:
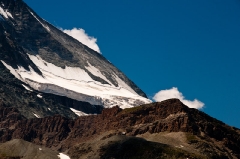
(75, 83)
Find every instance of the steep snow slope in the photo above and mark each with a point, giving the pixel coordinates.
(75, 83)
(50, 61)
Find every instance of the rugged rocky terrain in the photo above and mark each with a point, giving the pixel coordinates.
(48, 79)
(168, 126)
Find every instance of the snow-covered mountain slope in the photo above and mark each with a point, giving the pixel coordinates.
(50, 61)
(75, 83)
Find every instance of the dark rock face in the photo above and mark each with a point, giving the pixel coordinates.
(168, 116)
(9, 116)
(47, 131)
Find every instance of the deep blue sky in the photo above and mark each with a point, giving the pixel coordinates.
(160, 44)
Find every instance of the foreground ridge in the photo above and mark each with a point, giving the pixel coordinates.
(193, 131)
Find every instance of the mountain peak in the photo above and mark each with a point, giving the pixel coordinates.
(49, 61)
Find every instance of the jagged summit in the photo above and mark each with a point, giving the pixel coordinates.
(49, 61)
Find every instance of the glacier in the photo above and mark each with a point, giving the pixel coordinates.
(75, 83)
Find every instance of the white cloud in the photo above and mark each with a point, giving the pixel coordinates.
(83, 37)
(174, 93)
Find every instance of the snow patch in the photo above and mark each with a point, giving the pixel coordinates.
(180, 146)
(27, 88)
(36, 115)
(9, 14)
(2, 12)
(5, 13)
(69, 73)
(46, 27)
(78, 113)
(39, 96)
(63, 156)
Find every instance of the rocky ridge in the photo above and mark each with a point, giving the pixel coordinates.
(204, 134)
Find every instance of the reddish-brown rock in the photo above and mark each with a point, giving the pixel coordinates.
(171, 115)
